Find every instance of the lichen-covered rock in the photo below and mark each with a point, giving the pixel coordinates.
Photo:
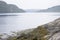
(56, 36)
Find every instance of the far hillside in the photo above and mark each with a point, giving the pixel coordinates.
(9, 8)
(52, 9)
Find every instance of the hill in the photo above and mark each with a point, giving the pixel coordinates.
(9, 8)
(52, 9)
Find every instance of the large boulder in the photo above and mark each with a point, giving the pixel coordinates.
(55, 36)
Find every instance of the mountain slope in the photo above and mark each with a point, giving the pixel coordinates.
(52, 9)
(9, 8)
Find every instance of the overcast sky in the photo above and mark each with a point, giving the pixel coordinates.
(34, 4)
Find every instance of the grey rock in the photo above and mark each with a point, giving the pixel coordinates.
(53, 28)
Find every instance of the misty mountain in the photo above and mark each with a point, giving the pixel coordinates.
(32, 10)
(52, 9)
(9, 8)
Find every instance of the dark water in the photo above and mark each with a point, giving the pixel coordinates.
(21, 21)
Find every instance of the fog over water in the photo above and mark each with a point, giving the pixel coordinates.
(21, 21)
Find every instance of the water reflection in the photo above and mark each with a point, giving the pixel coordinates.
(22, 21)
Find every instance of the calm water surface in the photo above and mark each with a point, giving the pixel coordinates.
(21, 21)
